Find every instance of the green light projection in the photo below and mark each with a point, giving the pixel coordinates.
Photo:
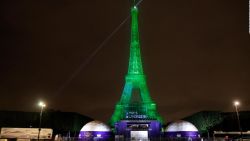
(135, 102)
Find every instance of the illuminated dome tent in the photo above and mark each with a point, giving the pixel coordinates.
(95, 130)
(182, 129)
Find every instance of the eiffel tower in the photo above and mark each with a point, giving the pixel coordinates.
(135, 102)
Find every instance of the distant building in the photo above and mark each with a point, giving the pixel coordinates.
(25, 133)
(61, 122)
(222, 135)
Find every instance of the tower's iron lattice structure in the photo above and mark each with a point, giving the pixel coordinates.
(135, 102)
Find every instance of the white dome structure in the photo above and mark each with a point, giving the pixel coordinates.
(182, 129)
(96, 126)
(95, 130)
(181, 126)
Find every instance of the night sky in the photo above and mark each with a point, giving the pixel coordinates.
(196, 55)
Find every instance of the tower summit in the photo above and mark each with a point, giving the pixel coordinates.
(135, 63)
(135, 103)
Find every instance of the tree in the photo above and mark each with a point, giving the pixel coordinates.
(205, 120)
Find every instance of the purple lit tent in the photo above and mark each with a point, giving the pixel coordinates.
(182, 129)
(95, 130)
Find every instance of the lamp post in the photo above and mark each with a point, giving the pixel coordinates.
(236, 104)
(42, 105)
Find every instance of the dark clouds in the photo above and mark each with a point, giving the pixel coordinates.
(195, 54)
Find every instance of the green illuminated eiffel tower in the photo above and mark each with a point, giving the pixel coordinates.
(135, 103)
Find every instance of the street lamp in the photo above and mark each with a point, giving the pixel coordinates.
(42, 105)
(236, 104)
